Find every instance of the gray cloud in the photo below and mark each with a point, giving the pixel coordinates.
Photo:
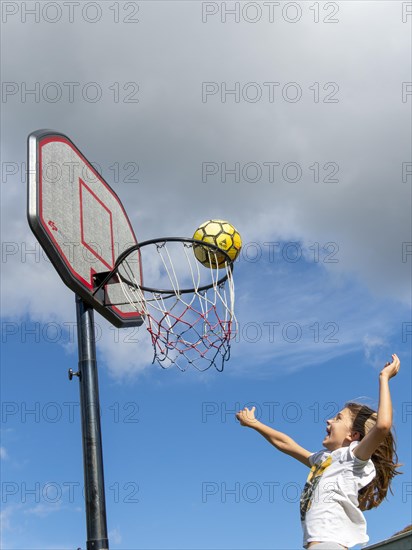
(361, 61)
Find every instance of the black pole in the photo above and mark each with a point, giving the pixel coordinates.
(91, 434)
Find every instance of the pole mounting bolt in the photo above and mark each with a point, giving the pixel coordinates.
(71, 374)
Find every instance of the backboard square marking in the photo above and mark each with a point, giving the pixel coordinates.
(96, 224)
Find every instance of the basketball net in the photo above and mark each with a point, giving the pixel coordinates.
(187, 326)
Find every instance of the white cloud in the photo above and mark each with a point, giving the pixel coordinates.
(376, 350)
(44, 510)
(10, 526)
(171, 132)
(5, 515)
(306, 319)
(3, 453)
(125, 352)
(114, 536)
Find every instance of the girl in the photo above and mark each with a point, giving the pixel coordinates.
(352, 473)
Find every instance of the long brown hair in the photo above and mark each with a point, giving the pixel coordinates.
(384, 458)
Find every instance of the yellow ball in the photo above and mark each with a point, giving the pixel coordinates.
(221, 234)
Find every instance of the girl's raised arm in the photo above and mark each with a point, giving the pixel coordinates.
(281, 441)
(377, 434)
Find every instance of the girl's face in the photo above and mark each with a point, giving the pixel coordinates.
(339, 431)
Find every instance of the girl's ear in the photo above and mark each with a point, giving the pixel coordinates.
(356, 436)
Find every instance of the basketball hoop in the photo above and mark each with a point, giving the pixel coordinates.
(190, 313)
(82, 226)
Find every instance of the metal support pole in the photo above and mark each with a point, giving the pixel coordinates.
(91, 434)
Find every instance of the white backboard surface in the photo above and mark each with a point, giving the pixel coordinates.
(80, 222)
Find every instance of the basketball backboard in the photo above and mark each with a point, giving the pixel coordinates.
(80, 222)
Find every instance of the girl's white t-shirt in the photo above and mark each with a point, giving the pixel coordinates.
(329, 501)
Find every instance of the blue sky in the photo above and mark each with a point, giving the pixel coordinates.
(323, 283)
(180, 472)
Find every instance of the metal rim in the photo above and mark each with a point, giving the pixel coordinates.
(123, 256)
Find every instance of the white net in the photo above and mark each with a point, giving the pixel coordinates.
(190, 314)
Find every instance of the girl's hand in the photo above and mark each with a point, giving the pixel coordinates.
(246, 416)
(391, 369)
